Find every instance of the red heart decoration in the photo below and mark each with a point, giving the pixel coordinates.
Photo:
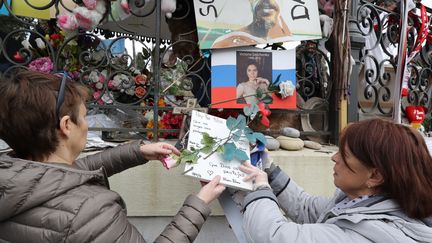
(415, 114)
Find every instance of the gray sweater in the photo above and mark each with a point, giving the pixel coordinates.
(45, 202)
(316, 219)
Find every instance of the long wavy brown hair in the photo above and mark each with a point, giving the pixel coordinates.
(400, 154)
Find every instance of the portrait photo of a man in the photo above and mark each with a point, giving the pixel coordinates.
(234, 23)
(267, 23)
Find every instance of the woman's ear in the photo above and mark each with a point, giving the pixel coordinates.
(65, 126)
(375, 178)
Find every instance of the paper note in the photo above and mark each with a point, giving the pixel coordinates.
(207, 168)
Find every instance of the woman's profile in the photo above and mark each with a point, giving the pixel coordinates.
(246, 91)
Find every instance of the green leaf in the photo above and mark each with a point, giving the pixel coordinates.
(277, 79)
(231, 123)
(247, 110)
(240, 155)
(241, 122)
(267, 99)
(259, 93)
(260, 137)
(254, 108)
(187, 156)
(207, 140)
(249, 135)
(237, 135)
(229, 150)
(207, 149)
(220, 149)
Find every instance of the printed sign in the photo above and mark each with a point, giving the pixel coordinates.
(207, 168)
(238, 74)
(229, 23)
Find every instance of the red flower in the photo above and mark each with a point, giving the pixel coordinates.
(264, 114)
(55, 37)
(140, 92)
(140, 79)
(18, 57)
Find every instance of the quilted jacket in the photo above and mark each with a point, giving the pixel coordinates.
(48, 202)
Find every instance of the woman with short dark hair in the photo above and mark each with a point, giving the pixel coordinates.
(383, 172)
(47, 196)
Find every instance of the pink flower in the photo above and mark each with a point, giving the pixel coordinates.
(42, 64)
(170, 161)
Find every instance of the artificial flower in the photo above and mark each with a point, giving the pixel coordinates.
(42, 64)
(129, 91)
(18, 57)
(140, 79)
(161, 102)
(170, 161)
(26, 44)
(286, 89)
(40, 43)
(140, 92)
(55, 36)
(264, 114)
(99, 85)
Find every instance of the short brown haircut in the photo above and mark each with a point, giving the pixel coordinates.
(400, 154)
(28, 121)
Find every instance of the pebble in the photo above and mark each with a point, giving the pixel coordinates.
(290, 132)
(312, 145)
(292, 144)
(272, 143)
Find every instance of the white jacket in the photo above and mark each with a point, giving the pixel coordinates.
(377, 219)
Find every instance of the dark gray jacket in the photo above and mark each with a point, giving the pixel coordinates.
(46, 202)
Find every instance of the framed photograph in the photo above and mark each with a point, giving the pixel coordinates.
(242, 76)
(253, 72)
(228, 23)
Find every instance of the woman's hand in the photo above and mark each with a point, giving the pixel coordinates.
(258, 177)
(211, 190)
(158, 150)
(260, 80)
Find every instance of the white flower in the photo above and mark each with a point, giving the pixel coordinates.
(286, 88)
(40, 43)
(99, 85)
(130, 91)
(94, 77)
(26, 44)
(107, 99)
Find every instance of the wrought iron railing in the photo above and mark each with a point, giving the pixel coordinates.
(134, 87)
(380, 24)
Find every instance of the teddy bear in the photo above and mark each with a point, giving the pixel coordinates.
(86, 17)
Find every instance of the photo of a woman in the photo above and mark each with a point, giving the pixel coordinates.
(253, 74)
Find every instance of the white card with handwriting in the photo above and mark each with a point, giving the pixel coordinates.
(208, 167)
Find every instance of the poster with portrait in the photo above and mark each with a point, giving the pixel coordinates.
(234, 23)
(240, 75)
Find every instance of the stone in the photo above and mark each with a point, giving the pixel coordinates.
(312, 145)
(290, 132)
(272, 143)
(292, 144)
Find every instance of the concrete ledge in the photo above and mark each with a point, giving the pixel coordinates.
(151, 190)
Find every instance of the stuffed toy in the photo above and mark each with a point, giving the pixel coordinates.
(86, 17)
(168, 7)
